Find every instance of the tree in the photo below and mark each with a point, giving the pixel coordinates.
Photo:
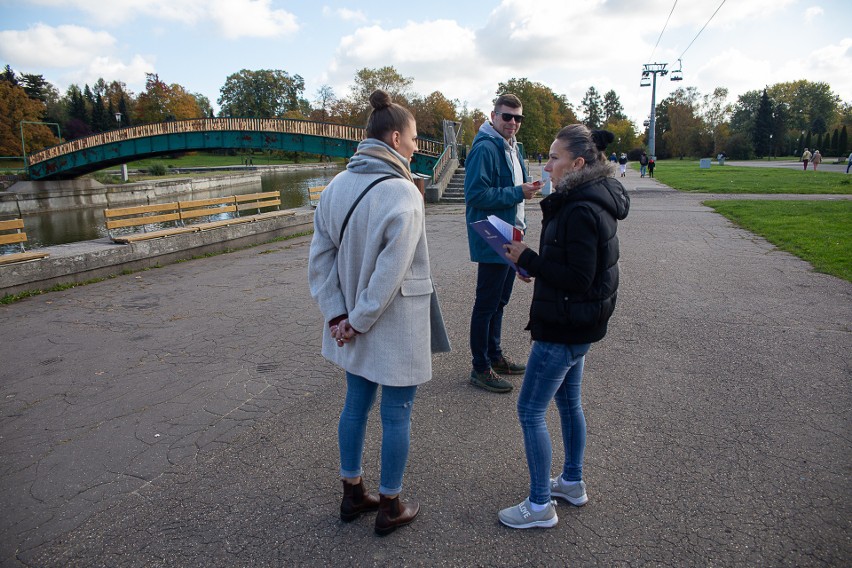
(35, 86)
(715, 112)
(8, 76)
(843, 142)
(430, 114)
(203, 104)
(385, 78)
(266, 93)
(626, 137)
(471, 120)
(161, 102)
(763, 126)
(17, 108)
(806, 101)
(612, 108)
(592, 108)
(325, 99)
(679, 126)
(368, 80)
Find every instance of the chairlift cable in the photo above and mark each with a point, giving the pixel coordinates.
(662, 31)
(702, 29)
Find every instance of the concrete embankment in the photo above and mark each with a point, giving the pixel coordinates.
(79, 262)
(30, 197)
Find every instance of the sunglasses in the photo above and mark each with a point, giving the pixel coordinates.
(508, 116)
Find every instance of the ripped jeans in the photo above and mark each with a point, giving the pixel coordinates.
(396, 429)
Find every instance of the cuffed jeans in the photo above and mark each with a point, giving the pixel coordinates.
(554, 372)
(396, 406)
(493, 289)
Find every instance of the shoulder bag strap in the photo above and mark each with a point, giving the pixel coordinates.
(357, 201)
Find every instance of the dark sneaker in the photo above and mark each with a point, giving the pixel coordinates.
(506, 367)
(490, 381)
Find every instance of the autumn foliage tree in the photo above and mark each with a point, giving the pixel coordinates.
(161, 102)
(17, 111)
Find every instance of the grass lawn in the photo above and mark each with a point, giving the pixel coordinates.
(685, 175)
(819, 232)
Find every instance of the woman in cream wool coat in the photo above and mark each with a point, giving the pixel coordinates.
(374, 288)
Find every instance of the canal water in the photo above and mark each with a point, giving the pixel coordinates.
(60, 227)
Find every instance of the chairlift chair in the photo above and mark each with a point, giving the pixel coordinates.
(677, 74)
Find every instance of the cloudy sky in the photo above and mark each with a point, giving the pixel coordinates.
(462, 48)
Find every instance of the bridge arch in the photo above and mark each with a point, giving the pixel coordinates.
(84, 155)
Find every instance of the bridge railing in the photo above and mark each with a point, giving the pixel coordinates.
(443, 163)
(278, 125)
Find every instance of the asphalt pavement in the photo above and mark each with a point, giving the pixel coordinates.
(182, 416)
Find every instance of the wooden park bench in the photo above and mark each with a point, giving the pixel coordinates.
(213, 209)
(145, 216)
(11, 232)
(314, 194)
(257, 202)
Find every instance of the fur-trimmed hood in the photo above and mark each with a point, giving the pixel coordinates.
(593, 183)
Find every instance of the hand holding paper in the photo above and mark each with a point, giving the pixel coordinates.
(498, 233)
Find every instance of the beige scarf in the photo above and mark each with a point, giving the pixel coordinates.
(390, 158)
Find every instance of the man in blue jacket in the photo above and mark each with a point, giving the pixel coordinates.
(494, 184)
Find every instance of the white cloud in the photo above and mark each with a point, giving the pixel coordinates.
(46, 46)
(344, 14)
(251, 18)
(121, 11)
(111, 69)
(812, 13)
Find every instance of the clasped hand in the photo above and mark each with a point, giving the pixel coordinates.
(343, 332)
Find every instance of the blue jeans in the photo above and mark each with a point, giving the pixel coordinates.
(493, 289)
(554, 371)
(396, 429)
(642, 170)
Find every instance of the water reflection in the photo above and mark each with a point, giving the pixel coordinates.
(59, 227)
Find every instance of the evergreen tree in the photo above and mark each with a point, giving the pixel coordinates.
(100, 122)
(763, 126)
(612, 108)
(125, 116)
(808, 143)
(592, 106)
(843, 143)
(8, 75)
(835, 142)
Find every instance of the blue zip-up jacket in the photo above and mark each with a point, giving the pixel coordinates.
(489, 189)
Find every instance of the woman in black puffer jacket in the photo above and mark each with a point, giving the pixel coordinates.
(576, 285)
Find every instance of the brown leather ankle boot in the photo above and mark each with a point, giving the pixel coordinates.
(356, 501)
(393, 513)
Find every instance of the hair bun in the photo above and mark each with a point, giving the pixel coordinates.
(380, 99)
(602, 138)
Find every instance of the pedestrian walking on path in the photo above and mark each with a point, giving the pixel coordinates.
(816, 159)
(806, 157)
(576, 284)
(374, 287)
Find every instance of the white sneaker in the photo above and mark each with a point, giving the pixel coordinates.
(574, 493)
(523, 517)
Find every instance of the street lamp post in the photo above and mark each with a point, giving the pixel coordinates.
(118, 118)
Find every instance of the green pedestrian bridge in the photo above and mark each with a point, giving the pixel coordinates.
(84, 155)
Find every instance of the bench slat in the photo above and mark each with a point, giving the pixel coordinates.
(22, 257)
(139, 209)
(13, 238)
(11, 224)
(142, 220)
(125, 239)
